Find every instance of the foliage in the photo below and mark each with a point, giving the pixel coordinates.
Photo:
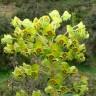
(38, 39)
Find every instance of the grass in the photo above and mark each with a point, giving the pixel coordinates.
(87, 69)
(4, 76)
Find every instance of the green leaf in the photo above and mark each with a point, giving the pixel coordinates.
(35, 67)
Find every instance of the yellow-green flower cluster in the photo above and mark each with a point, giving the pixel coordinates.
(26, 70)
(38, 38)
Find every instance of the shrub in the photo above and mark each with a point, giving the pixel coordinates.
(49, 54)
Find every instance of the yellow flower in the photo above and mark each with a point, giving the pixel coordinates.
(37, 24)
(53, 81)
(49, 31)
(61, 39)
(66, 15)
(55, 16)
(38, 47)
(73, 70)
(9, 48)
(45, 20)
(64, 56)
(51, 56)
(17, 72)
(64, 89)
(16, 22)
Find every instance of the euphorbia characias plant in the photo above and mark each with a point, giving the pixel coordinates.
(38, 38)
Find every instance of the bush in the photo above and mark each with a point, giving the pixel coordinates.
(49, 54)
